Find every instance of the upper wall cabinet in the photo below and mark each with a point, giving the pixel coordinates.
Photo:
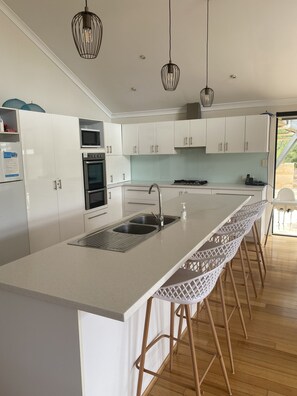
(190, 133)
(238, 134)
(130, 139)
(113, 138)
(148, 138)
(257, 133)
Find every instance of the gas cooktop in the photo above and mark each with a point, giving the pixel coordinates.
(190, 182)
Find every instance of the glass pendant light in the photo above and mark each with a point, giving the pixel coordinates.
(207, 94)
(87, 30)
(170, 72)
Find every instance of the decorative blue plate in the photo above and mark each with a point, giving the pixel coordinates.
(32, 107)
(14, 103)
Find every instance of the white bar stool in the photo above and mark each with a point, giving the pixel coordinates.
(258, 207)
(190, 284)
(226, 244)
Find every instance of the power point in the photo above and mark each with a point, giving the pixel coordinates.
(264, 163)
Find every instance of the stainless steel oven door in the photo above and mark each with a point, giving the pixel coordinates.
(94, 175)
(95, 198)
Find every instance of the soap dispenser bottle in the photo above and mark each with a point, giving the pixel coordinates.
(183, 214)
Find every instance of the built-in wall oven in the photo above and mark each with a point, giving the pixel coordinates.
(94, 180)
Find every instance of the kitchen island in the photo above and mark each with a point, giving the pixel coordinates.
(72, 317)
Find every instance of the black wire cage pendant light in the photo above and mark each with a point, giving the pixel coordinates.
(87, 30)
(170, 72)
(207, 94)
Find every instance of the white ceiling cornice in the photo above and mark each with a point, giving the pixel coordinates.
(215, 107)
(49, 53)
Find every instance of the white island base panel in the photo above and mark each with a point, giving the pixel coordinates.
(52, 350)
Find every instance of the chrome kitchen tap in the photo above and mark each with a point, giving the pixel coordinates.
(159, 217)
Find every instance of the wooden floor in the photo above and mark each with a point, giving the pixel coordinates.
(266, 363)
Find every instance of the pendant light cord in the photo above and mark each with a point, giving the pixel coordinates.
(169, 31)
(207, 22)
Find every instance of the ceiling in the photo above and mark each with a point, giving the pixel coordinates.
(253, 39)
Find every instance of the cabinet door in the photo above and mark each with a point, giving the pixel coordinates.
(197, 133)
(69, 174)
(40, 175)
(96, 219)
(146, 138)
(257, 134)
(164, 142)
(113, 138)
(117, 169)
(197, 190)
(215, 135)
(181, 133)
(115, 205)
(234, 136)
(130, 139)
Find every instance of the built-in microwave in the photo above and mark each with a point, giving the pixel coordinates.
(92, 138)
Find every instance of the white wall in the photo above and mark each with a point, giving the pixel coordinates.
(28, 74)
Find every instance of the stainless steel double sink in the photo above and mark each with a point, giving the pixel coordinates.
(125, 235)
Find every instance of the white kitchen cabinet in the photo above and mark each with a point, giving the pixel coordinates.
(234, 135)
(190, 133)
(118, 169)
(215, 135)
(113, 139)
(130, 139)
(146, 138)
(156, 138)
(137, 198)
(108, 214)
(53, 177)
(175, 191)
(257, 134)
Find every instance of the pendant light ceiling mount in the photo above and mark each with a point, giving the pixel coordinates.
(170, 72)
(207, 93)
(87, 31)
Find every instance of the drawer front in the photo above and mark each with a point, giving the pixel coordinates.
(96, 219)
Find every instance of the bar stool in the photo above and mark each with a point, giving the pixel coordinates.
(227, 244)
(190, 284)
(244, 221)
(258, 207)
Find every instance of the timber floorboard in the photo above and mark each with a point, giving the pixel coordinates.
(265, 363)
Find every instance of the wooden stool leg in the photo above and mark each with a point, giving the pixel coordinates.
(226, 323)
(260, 248)
(217, 344)
(171, 334)
(250, 267)
(238, 305)
(193, 353)
(144, 343)
(257, 254)
(180, 325)
(245, 282)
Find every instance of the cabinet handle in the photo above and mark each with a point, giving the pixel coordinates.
(186, 141)
(138, 190)
(110, 149)
(141, 203)
(246, 146)
(220, 146)
(111, 178)
(156, 148)
(60, 184)
(124, 176)
(226, 146)
(109, 194)
(55, 185)
(98, 215)
(135, 149)
(152, 148)
(191, 141)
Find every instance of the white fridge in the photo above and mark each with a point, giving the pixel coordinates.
(14, 237)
